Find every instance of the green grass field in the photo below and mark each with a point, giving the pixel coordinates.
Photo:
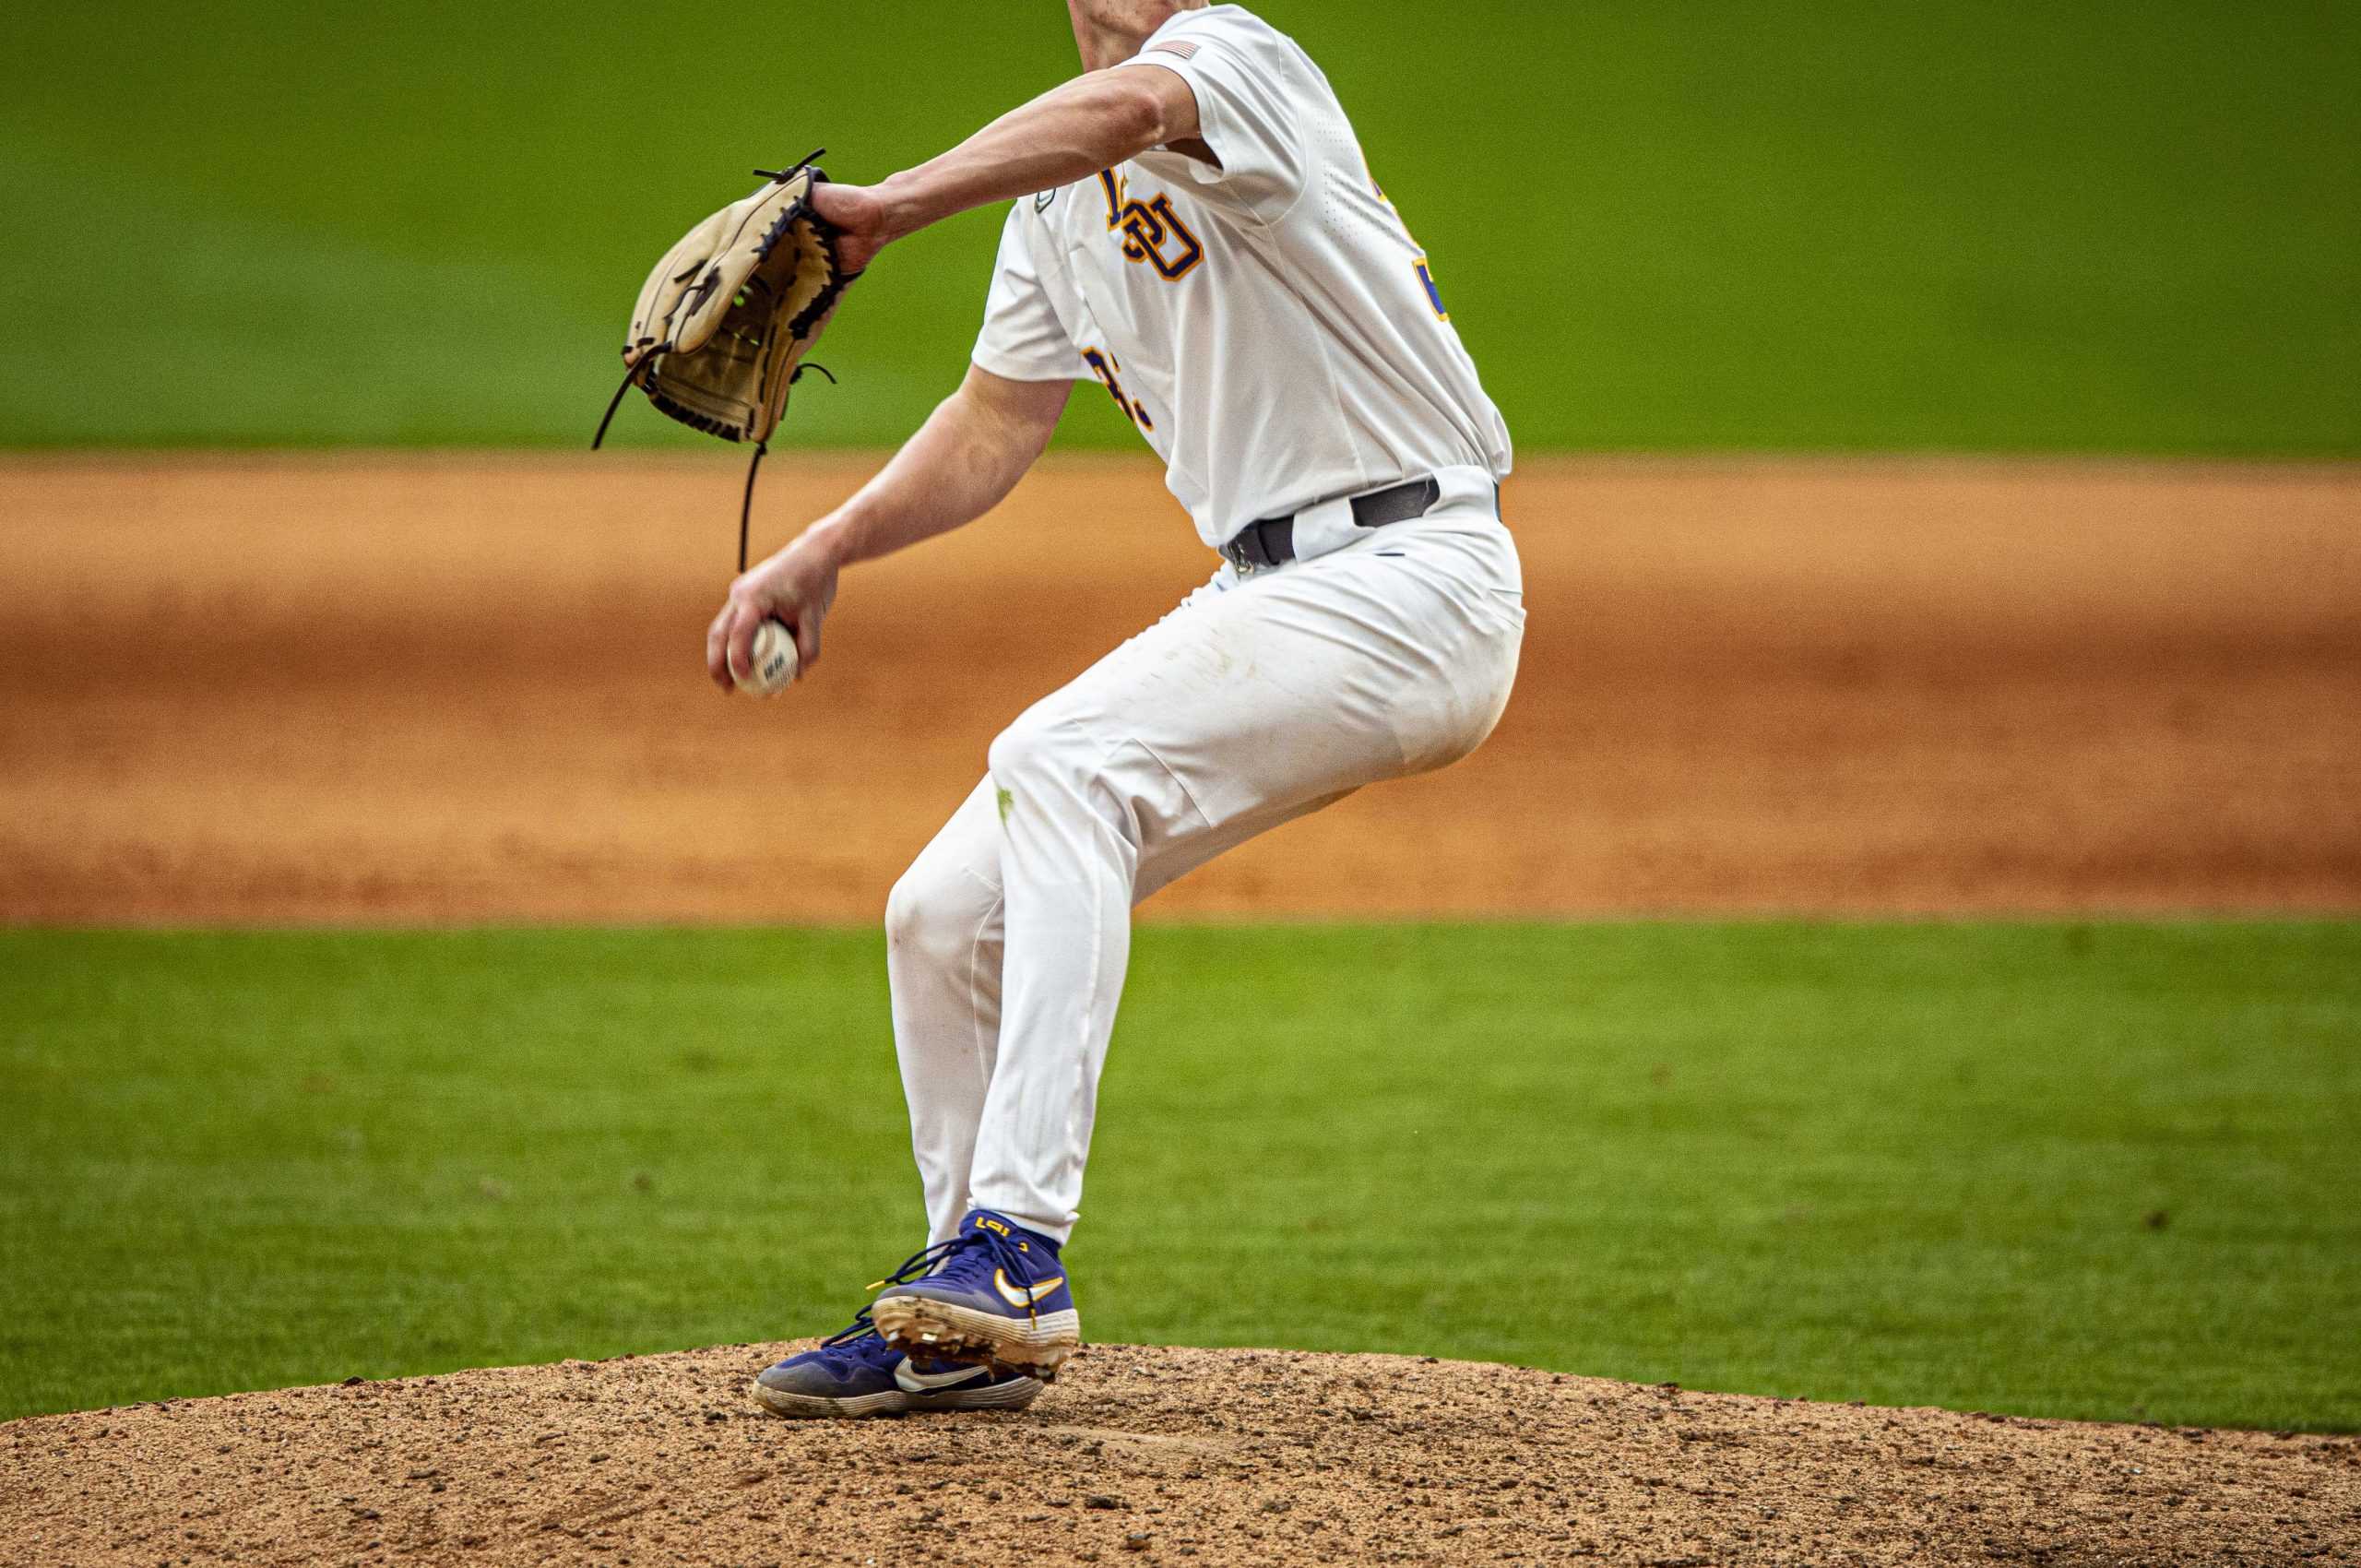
(2102, 1171)
(1671, 224)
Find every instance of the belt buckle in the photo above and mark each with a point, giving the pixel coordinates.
(1262, 557)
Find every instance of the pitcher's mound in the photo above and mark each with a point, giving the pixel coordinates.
(1143, 1454)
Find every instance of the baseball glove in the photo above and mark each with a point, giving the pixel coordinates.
(724, 322)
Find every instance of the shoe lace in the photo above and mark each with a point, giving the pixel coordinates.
(860, 1328)
(1002, 1251)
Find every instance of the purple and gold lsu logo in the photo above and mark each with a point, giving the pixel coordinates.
(1152, 232)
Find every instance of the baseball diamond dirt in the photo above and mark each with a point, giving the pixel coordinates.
(1222, 1457)
(403, 689)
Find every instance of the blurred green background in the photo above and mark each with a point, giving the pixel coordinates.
(2102, 226)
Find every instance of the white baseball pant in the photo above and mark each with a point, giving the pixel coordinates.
(1259, 699)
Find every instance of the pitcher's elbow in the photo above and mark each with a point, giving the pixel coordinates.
(1133, 112)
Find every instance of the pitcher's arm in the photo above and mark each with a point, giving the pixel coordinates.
(961, 464)
(1068, 134)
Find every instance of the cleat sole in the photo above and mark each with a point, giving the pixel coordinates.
(813, 1407)
(919, 1326)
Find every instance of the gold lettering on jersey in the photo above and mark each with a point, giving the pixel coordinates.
(1152, 232)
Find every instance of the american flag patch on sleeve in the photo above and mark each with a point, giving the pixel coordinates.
(1181, 46)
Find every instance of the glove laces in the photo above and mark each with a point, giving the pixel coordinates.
(762, 448)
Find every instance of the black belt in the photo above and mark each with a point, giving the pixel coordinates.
(1271, 543)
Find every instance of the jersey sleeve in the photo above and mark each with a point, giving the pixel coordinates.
(1022, 338)
(1245, 77)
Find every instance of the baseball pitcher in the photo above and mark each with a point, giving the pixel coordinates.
(1194, 229)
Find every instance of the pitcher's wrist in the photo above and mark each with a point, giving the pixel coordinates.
(904, 203)
(832, 540)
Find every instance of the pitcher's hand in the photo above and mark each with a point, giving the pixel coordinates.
(796, 586)
(866, 220)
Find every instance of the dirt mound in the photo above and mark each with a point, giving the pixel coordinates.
(431, 689)
(1144, 1455)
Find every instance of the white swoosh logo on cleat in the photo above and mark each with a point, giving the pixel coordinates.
(913, 1380)
(1023, 1295)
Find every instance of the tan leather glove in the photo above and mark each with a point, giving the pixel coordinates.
(723, 324)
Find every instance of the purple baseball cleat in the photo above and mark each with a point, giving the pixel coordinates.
(996, 1295)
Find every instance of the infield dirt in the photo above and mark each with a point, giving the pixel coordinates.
(1150, 1455)
(407, 689)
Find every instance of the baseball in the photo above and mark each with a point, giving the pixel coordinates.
(774, 661)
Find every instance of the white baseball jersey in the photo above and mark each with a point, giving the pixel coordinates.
(1270, 326)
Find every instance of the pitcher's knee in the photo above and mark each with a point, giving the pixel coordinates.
(1065, 774)
(1031, 752)
(934, 910)
(1026, 749)
(905, 910)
